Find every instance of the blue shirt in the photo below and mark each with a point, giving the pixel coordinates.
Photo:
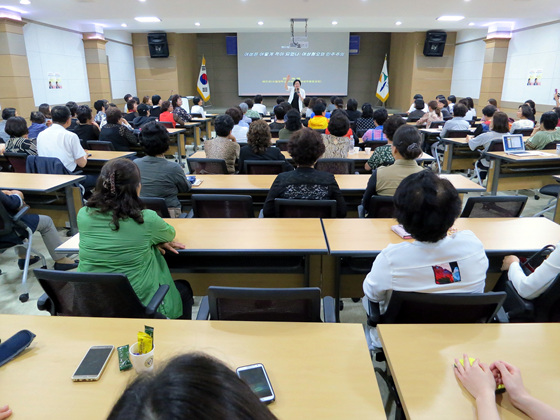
(35, 129)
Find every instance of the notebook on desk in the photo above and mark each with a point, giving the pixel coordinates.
(514, 145)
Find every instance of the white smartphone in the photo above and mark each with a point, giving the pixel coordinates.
(255, 376)
(92, 365)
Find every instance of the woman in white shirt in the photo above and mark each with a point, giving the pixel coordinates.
(297, 94)
(525, 120)
(197, 107)
(239, 132)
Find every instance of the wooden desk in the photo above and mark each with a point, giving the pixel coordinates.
(457, 155)
(317, 370)
(510, 172)
(42, 183)
(106, 155)
(208, 124)
(421, 359)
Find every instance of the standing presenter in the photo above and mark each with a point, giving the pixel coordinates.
(297, 94)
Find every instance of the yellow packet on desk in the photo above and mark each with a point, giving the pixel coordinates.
(144, 342)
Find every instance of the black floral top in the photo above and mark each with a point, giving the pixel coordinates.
(183, 115)
(22, 145)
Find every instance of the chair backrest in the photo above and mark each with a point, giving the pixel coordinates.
(335, 166)
(263, 167)
(196, 115)
(450, 117)
(360, 132)
(442, 308)
(10, 232)
(524, 131)
(207, 166)
(282, 145)
(436, 124)
(100, 145)
(156, 204)
(275, 133)
(91, 294)
(494, 206)
(551, 145)
(284, 207)
(45, 165)
(17, 160)
(381, 207)
(222, 205)
(457, 134)
(496, 146)
(277, 305)
(166, 124)
(373, 144)
(547, 305)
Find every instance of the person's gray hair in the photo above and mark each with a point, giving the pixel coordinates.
(244, 107)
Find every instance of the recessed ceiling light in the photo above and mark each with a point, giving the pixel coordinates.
(24, 2)
(471, 24)
(450, 18)
(334, 22)
(124, 25)
(398, 23)
(142, 1)
(147, 19)
(197, 24)
(260, 22)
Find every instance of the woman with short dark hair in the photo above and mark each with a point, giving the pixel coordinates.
(179, 114)
(337, 145)
(305, 183)
(526, 118)
(366, 121)
(382, 155)
(16, 128)
(86, 128)
(116, 132)
(118, 236)
(166, 114)
(352, 109)
(293, 124)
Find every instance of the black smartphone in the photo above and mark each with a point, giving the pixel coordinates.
(256, 377)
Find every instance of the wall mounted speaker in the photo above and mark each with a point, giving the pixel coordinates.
(157, 43)
(435, 43)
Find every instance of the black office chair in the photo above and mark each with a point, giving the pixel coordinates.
(222, 206)
(284, 207)
(201, 166)
(360, 132)
(17, 160)
(372, 144)
(381, 207)
(94, 294)
(14, 232)
(544, 308)
(263, 167)
(282, 145)
(335, 165)
(458, 134)
(494, 206)
(437, 124)
(552, 190)
(275, 133)
(100, 145)
(196, 115)
(158, 205)
(166, 124)
(275, 305)
(524, 131)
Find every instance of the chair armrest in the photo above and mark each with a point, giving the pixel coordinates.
(501, 316)
(20, 213)
(44, 303)
(190, 215)
(329, 313)
(374, 315)
(203, 310)
(184, 215)
(151, 308)
(361, 211)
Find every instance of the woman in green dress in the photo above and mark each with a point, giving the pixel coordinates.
(118, 236)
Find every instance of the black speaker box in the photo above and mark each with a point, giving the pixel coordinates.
(435, 43)
(157, 42)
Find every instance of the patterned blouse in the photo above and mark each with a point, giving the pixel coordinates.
(22, 145)
(337, 147)
(381, 156)
(364, 123)
(182, 115)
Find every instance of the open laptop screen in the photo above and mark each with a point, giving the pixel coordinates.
(513, 143)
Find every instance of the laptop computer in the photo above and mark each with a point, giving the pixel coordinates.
(514, 145)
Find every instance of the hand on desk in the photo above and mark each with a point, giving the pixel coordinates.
(5, 412)
(509, 260)
(170, 246)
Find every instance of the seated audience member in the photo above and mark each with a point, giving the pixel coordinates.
(352, 109)
(480, 380)
(156, 108)
(451, 100)
(260, 147)
(86, 129)
(144, 116)
(427, 207)
(458, 121)
(434, 114)
(16, 128)
(382, 155)
(118, 236)
(487, 113)
(100, 106)
(349, 133)
(319, 121)
(197, 107)
(306, 103)
(413, 106)
(305, 183)
(146, 100)
(366, 121)
(337, 144)
(405, 149)
(251, 113)
(132, 112)
(166, 114)
(376, 134)
(160, 177)
(533, 107)
(293, 124)
(126, 98)
(37, 124)
(279, 113)
(258, 106)
(224, 145)
(190, 386)
(493, 102)
(246, 120)
(309, 111)
(6, 114)
(115, 131)
(418, 111)
(179, 114)
(73, 107)
(339, 104)
(331, 107)
(526, 118)
(45, 109)
(13, 201)
(499, 126)
(321, 100)
(547, 132)
(287, 106)
(239, 132)
(279, 100)
(443, 106)
(471, 113)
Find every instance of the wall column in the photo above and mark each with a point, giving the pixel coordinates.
(15, 81)
(495, 58)
(97, 69)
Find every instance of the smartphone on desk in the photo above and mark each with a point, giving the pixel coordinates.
(255, 376)
(92, 365)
